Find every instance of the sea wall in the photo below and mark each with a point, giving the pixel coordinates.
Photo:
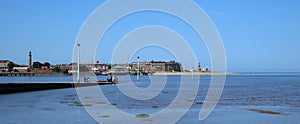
(27, 87)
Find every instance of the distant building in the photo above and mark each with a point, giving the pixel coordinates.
(101, 67)
(157, 66)
(21, 68)
(173, 66)
(119, 70)
(64, 66)
(4, 65)
(43, 69)
(96, 68)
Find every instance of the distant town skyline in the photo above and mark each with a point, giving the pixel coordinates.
(257, 35)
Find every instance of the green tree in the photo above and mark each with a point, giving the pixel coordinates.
(65, 71)
(10, 66)
(36, 65)
(47, 64)
(56, 69)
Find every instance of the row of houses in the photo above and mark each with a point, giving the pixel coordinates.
(97, 68)
(8, 66)
(157, 66)
(130, 68)
(4, 65)
(100, 68)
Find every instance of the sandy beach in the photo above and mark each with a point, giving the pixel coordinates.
(64, 106)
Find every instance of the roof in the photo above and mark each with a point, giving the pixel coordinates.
(4, 61)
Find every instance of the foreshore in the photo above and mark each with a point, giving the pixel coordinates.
(259, 99)
(195, 73)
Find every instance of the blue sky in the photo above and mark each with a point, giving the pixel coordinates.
(257, 35)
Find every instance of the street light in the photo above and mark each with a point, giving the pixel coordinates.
(78, 64)
(193, 72)
(138, 69)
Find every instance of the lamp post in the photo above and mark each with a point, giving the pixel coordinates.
(192, 72)
(138, 69)
(78, 64)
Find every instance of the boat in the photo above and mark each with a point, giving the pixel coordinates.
(99, 81)
(112, 79)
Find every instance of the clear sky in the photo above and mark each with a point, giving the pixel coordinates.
(258, 35)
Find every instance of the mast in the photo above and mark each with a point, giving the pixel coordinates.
(78, 64)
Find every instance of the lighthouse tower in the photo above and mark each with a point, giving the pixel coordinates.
(29, 60)
(199, 68)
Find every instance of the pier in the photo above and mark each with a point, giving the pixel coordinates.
(17, 73)
(8, 88)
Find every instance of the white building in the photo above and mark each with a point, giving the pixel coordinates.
(21, 68)
(3, 65)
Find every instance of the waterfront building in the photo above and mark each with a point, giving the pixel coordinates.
(4, 65)
(43, 69)
(173, 66)
(157, 66)
(21, 68)
(97, 68)
(118, 70)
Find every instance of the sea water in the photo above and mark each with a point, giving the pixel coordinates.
(277, 92)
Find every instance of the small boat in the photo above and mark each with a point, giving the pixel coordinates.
(112, 79)
(99, 81)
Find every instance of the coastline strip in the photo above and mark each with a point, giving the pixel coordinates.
(8, 88)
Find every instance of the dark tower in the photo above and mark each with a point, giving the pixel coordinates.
(199, 68)
(29, 60)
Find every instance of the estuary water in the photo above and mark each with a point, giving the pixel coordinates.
(246, 98)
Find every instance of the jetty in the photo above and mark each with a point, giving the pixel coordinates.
(17, 73)
(7, 88)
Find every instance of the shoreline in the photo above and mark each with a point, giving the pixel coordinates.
(191, 73)
(154, 74)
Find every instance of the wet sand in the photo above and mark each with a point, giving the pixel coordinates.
(247, 99)
(64, 106)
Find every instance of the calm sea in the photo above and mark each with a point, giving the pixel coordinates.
(252, 89)
(275, 90)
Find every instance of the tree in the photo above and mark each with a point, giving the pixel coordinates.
(36, 65)
(10, 66)
(65, 71)
(47, 64)
(56, 69)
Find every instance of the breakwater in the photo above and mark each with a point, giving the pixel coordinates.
(8, 88)
(17, 74)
